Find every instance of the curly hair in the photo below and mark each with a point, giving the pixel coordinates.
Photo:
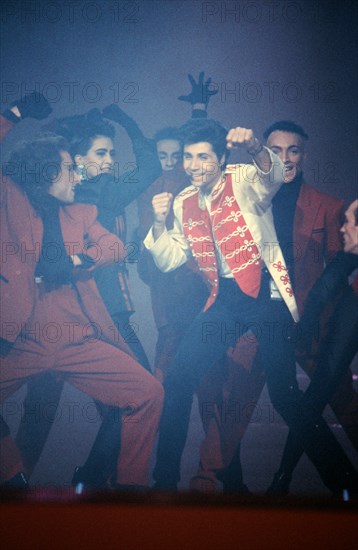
(35, 164)
(81, 130)
(206, 130)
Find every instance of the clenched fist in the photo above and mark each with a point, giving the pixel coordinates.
(241, 137)
(161, 207)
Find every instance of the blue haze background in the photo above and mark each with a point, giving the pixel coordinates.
(269, 60)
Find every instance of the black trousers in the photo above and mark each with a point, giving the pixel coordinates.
(337, 351)
(232, 315)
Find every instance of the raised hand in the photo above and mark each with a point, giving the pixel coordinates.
(200, 91)
(241, 137)
(33, 105)
(161, 207)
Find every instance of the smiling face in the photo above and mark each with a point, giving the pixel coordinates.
(169, 153)
(202, 165)
(99, 158)
(290, 148)
(63, 186)
(350, 229)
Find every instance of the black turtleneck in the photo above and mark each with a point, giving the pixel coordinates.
(110, 197)
(54, 266)
(283, 208)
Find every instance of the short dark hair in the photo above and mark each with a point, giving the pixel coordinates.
(356, 215)
(35, 165)
(82, 130)
(169, 132)
(285, 126)
(206, 130)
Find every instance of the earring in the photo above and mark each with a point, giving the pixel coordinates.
(81, 171)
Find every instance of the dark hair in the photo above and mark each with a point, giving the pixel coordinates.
(82, 130)
(207, 130)
(356, 215)
(170, 132)
(285, 126)
(35, 165)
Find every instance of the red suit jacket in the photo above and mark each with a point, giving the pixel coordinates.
(316, 237)
(21, 238)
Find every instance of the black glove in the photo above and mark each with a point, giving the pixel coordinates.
(33, 105)
(200, 92)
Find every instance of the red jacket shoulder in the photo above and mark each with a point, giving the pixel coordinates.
(86, 212)
(311, 194)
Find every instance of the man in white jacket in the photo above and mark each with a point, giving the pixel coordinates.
(224, 220)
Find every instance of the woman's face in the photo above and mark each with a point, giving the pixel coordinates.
(99, 158)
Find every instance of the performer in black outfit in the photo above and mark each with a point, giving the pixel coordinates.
(338, 347)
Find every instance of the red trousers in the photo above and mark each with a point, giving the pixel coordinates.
(59, 336)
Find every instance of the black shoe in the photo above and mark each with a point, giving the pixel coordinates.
(280, 485)
(17, 482)
(348, 488)
(78, 480)
(82, 480)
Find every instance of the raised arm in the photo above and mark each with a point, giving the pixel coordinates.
(33, 105)
(263, 178)
(200, 95)
(161, 207)
(244, 137)
(140, 174)
(169, 249)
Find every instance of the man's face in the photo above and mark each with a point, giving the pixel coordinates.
(291, 150)
(202, 165)
(169, 153)
(350, 229)
(63, 186)
(99, 159)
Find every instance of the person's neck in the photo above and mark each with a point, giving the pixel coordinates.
(207, 190)
(296, 181)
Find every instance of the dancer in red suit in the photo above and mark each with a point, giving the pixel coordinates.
(91, 144)
(52, 314)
